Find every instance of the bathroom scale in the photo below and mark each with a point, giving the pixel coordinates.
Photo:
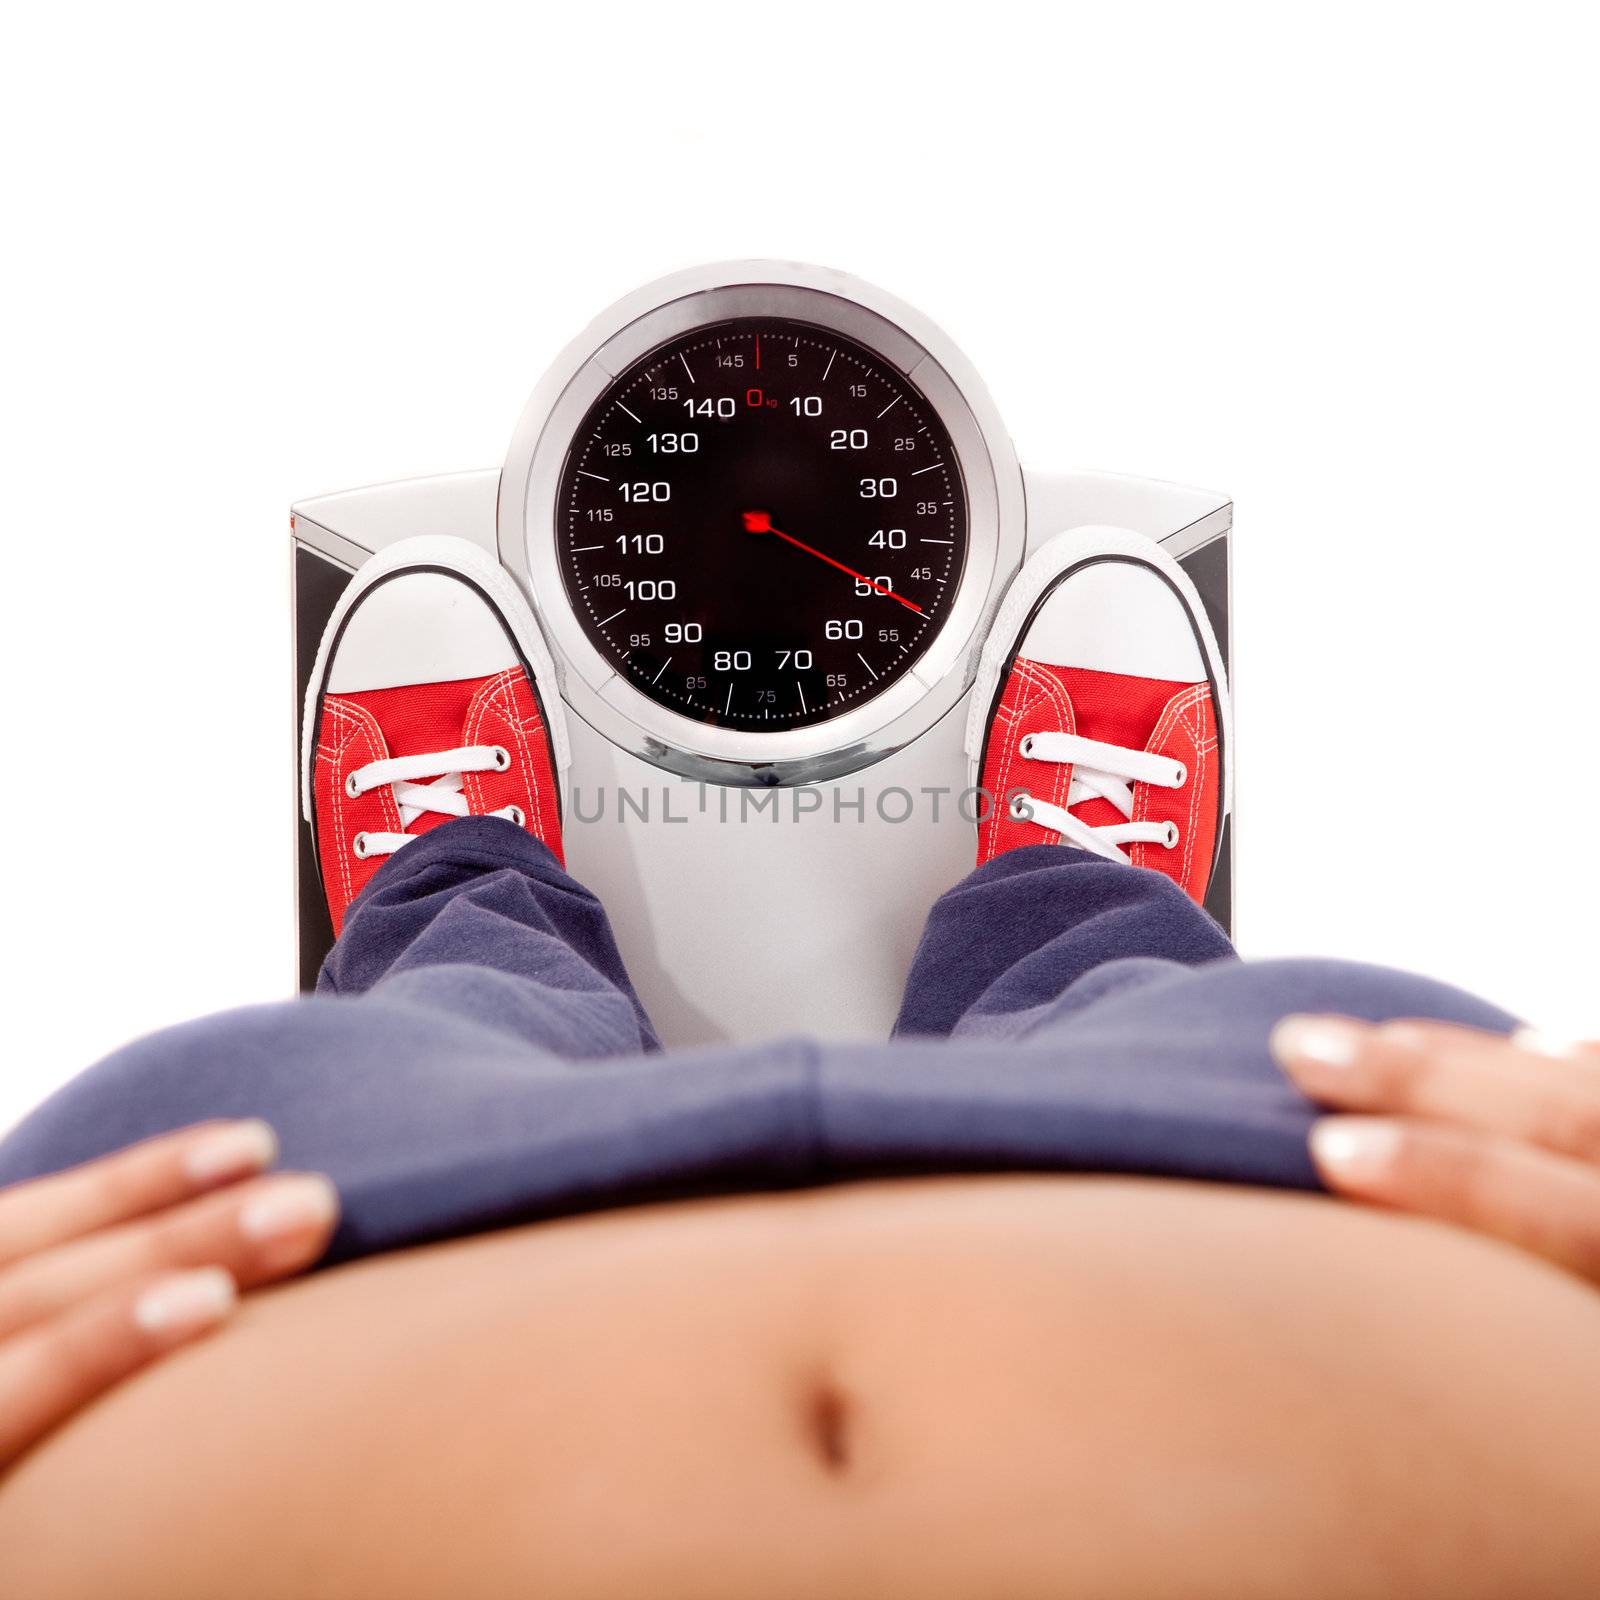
(764, 512)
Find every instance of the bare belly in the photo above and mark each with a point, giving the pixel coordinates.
(949, 1387)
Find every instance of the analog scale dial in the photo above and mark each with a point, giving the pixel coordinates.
(761, 524)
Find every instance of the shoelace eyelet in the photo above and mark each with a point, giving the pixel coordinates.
(502, 758)
(518, 817)
(358, 847)
(352, 788)
(1026, 747)
(1182, 775)
(1171, 840)
(1021, 811)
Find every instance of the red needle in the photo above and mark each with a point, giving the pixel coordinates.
(761, 522)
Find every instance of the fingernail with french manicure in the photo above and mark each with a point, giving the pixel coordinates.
(232, 1151)
(186, 1302)
(289, 1206)
(1326, 1042)
(1354, 1150)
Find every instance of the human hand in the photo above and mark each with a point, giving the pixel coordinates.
(110, 1265)
(1498, 1135)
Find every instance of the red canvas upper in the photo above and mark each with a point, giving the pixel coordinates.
(411, 720)
(1176, 720)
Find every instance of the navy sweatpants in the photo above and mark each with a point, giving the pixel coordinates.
(475, 1054)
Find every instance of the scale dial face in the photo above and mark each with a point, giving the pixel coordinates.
(761, 524)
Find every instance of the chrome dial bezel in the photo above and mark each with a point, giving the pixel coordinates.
(704, 296)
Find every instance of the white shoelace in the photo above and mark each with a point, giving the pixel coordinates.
(444, 795)
(1099, 772)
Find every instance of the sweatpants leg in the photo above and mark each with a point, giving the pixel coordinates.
(478, 919)
(1094, 1017)
(1011, 938)
(1165, 1073)
(447, 1071)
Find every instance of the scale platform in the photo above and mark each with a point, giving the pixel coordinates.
(753, 896)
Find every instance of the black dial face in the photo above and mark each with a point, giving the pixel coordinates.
(761, 525)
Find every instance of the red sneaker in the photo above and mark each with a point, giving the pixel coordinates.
(433, 696)
(1100, 716)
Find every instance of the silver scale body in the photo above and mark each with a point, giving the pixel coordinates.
(773, 887)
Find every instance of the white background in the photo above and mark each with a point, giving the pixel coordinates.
(1340, 263)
